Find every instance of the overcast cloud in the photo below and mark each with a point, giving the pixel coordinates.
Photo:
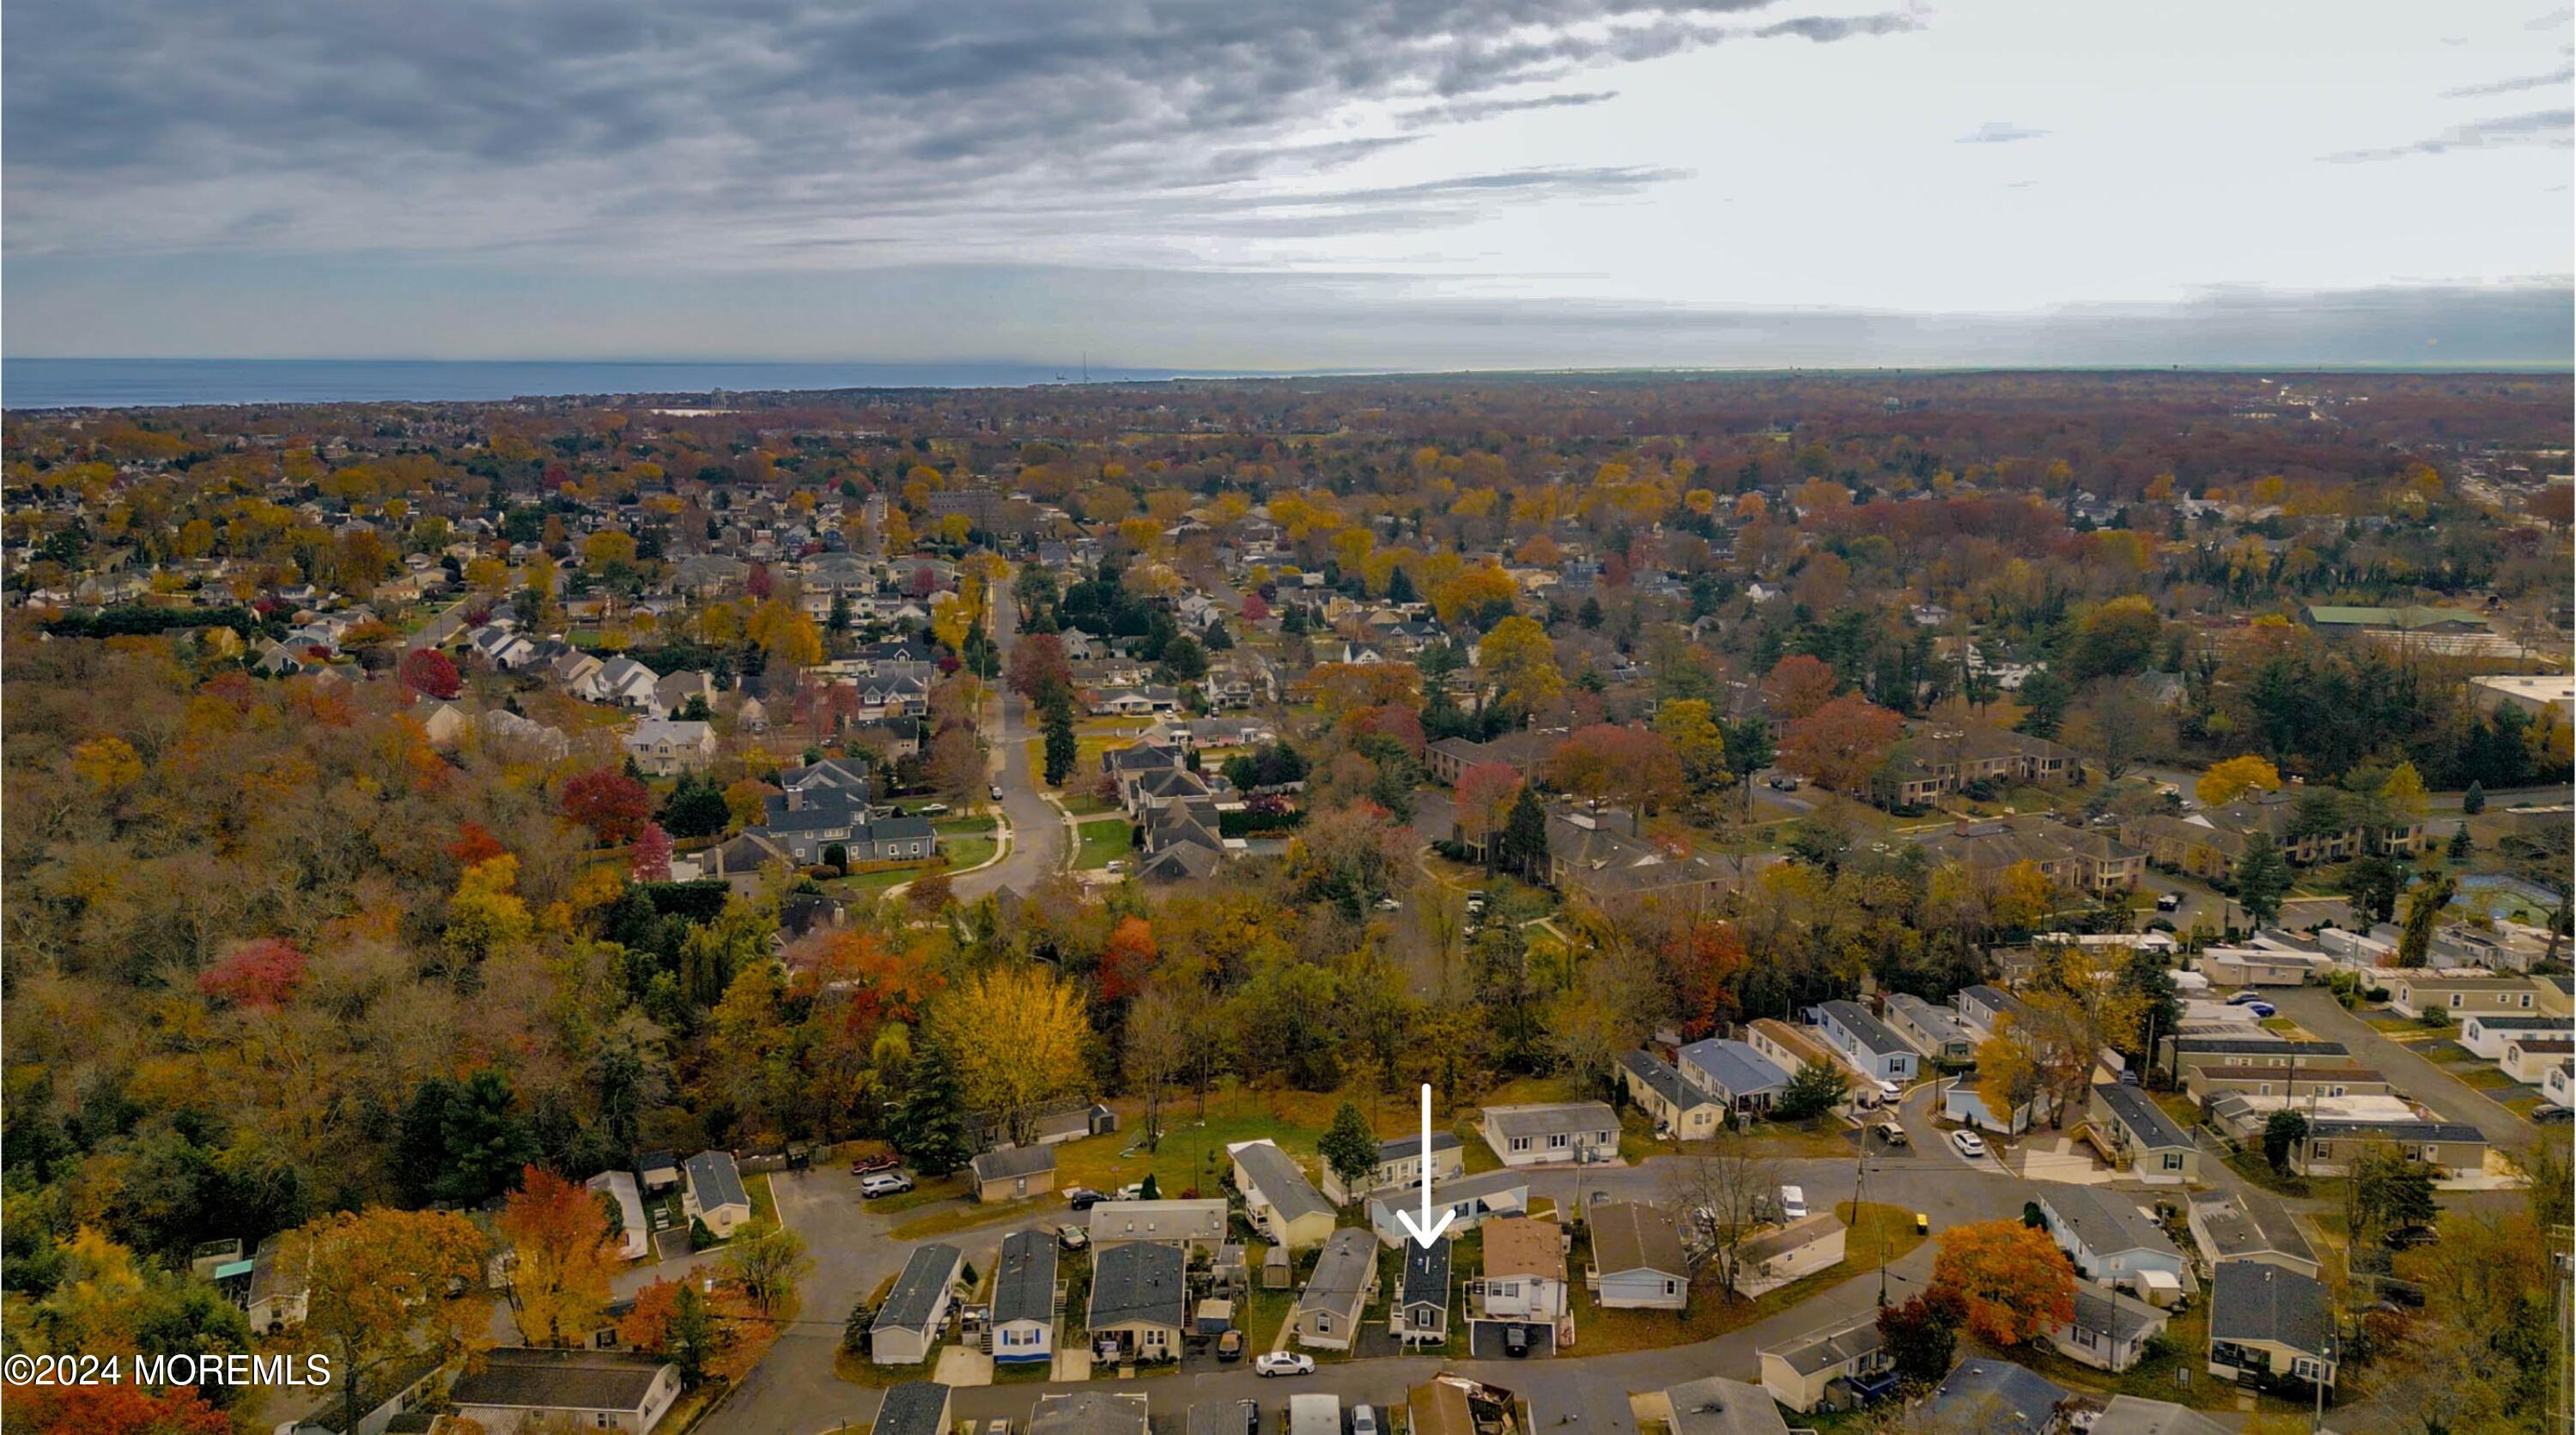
(306, 177)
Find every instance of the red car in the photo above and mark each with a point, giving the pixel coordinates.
(870, 1165)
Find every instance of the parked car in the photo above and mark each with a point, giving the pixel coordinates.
(1783, 782)
(1072, 1238)
(884, 1183)
(997, 792)
(997, 1426)
(1793, 1203)
(1969, 1144)
(1892, 1134)
(1132, 1191)
(1516, 1341)
(2407, 1238)
(1283, 1362)
(2244, 997)
(1082, 1198)
(931, 809)
(1229, 1346)
(2552, 1115)
(1116, 866)
(2168, 901)
(870, 1165)
(2263, 1011)
(1363, 1420)
(1389, 904)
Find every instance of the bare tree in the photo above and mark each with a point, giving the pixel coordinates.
(1723, 1193)
(1157, 1050)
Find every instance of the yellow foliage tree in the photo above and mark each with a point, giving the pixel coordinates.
(2229, 780)
(1520, 659)
(1016, 1034)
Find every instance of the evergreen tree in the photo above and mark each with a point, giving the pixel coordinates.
(2045, 695)
(1813, 1089)
(1525, 836)
(2474, 801)
(1348, 1146)
(2282, 1133)
(2262, 880)
(930, 1124)
(2423, 913)
(1063, 748)
(1399, 585)
(2459, 849)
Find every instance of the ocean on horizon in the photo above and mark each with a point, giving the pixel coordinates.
(164, 383)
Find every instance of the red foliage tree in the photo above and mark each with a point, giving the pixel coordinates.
(1485, 796)
(1393, 720)
(1842, 744)
(262, 973)
(758, 583)
(1126, 960)
(1705, 963)
(114, 1410)
(474, 845)
(1253, 609)
(1798, 685)
(1039, 667)
(1607, 763)
(608, 802)
(427, 671)
(652, 854)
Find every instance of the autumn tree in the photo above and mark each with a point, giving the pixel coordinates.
(672, 1319)
(428, 671)
(1698, 743)
(2115, 639)
(1155, 1049)
(1605, 763)
(388, 1285)
(1484, 797)
(2012, 1281)
(1519, 661)
(559, 1283)
(1726, 1185)
(1038, 668)
(608, 802)
(652, 855)
(766, 1260)
(1922, 1334)
(1798, 685)
(261, 974)
(1841, 744)
(1016, 1034)
(2227, 781)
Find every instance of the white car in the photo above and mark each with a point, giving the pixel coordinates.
(1969, 1143)
(884, 1183)
(1363, 1420)
(1283, 1362)
(1793, 1203)
(997, 792)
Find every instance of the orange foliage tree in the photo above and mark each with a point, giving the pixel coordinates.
(2014, 1280)
(1841, 744)
(560, 1232)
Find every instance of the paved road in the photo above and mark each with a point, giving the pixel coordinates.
(1039, 843)
(2316, 1009)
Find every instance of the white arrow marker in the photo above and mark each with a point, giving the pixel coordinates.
(1426, 1230)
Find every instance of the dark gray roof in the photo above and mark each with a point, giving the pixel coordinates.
(1402, 1147)
(1868, 1030)
(2255, 1300)
(1999, 1396)
(1733, 1065)
(2105, 1222)
(1281, 1183)
(2249, 1223)
(2339, 1128)
(2145, 1119)
(716, 1181)
(918, 1290)
(2120, 1317)
(2257, 1046)
(1552, 1118)
(560, 1380)
(1139, 1282)
(2129, 1415)
(1716, 1405)
(1426, 1273)
(916, 1407)
(1024, 1279)
(1012, 1161)
(1829, 1348)
(890, 829)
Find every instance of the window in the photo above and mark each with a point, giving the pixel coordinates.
(1323, 1325)
(2173, 1160)
(2455, 1000)
(1672, 1287)
(2305, 1368)
(1520, 1143)
(1556, 1139)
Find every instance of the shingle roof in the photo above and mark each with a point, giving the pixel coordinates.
(1719, 1406)
(918, 1291)
(1426, 1273)
(1524, 1246)
(1661, 1078)
(1736, 1068)
(2106, 1224)
(716, 1181)
(1866, 1029)
(560, 1380)
(1826, 1349)
(2254, 1300)
(1342, 1271)
(2145, 1120)
(2000, 1396)
(1138, 1283)
(916, 1407)
(1279, 1181)
(2129, 1415)
(1013, 1161)
(1404, 1146)
(1633, 1236)
(2249, 1224)
(1024, 1278)
(1089, 1412)
(1552, 1118)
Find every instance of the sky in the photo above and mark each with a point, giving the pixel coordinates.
(1292, 184)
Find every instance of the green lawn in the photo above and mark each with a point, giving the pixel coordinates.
(1104, 840)
(969, 852)
(1881, 1228)
(928, 1192)
(963, 827)
(940, 1223)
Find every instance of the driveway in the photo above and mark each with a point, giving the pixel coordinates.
(2316, 1009)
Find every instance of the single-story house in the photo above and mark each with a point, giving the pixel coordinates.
(1024, 1299)
(1871, 1047)
(1139, 1300)
(1935, 1031)
(280, 1282)
(1281, 1203)
(1838, 1367)
(1677, 1106)
(2453, 1148)
(2251, 1227)
(595, 1389)
(1733, 1072)
(2460, 994)
(2531, 1057)
(2485, 1036)
(715, 1192)
(1469, 1199)
(1399, 1163)
(635, 1234)
(1996, 1397)
(1327, 1316)
(2129, 1415)
(908, 1323)
(1987, 1007)
(1961, 1103)
(1183, 1225)
(2260, 966)
(1715, 1405)
(1523, 1287)
(2109, 1330)
(915, 1407)
(657, 1170)
(1774, 1258)
(1421, 1314)
(1784, 1046)
(2327, 1078)
(1013, 1173)
(2142, 1137)
(1552, 1132)
(1090, 1412)
(1637, 1258)
(2108, 1237)
(2268, 1322)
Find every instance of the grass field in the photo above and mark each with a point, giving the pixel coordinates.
(967, 1218)
(1712, 1313)
(1104, 840)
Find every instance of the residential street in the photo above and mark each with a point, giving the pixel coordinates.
(2316, 1009)
(1039, 843)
